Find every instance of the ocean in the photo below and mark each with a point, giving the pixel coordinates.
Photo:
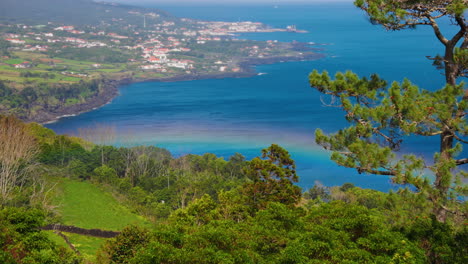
(225, 116)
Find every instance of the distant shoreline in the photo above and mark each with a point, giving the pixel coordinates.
(111, 87)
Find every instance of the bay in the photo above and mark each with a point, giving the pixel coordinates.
(225, 116)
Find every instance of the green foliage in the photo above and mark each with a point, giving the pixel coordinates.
(214, 219)
(272, 178)
(441, 242)
(353, 234)
(122, 248)
(199, 212)
(409, 214)
(381, 117)
(61, 151)
(45, 75)
(28, 103)
(78, 170)
(105, 174)
(150, 180)
(233, 205)
(234, 211)
(4, 45)
(21, 241)
(317, 192)
(4, 90)
(330, 233)
(461, 59)
(397, 14)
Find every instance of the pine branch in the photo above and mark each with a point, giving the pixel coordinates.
(459, 139)
(437, 31)
(376, 172)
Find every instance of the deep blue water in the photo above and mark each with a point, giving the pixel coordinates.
(245, 115)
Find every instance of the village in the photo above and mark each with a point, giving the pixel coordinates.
(59, 65)
(159, 46)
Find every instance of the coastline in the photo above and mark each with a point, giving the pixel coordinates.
(110, 91)
(111, 87)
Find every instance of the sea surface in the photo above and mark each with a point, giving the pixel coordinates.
(244, 115)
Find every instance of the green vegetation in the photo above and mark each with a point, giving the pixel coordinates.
(14, 61)
(88, 246)
(272, 179)
(336, 232)
(383, 116)
(4, 45)
(35, 98)
(22, 242)
(111, 45)
(96, 55)
(205, 209)
(56, 239)
(85, 205)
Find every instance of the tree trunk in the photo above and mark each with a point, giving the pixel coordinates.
(446, 140)
(446, 144)
(451, 68)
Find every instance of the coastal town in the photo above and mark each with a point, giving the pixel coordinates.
(54, 68)
(164, 47)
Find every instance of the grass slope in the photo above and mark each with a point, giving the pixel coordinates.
(85, 205)
(86, 245)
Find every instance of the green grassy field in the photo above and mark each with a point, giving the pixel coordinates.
(70, 65)
(14, 61)
(85, 205)
(56, 238)
(108, 70)
(87, 246)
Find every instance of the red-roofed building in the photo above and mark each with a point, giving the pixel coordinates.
(15, 41)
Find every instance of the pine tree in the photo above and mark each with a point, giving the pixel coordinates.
(273, 177)
(382, 115)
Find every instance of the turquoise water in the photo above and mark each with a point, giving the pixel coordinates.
(245, 115)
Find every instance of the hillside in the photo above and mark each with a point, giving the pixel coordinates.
(73, 200)
(84, 205)
(203, 209)
(78, 12)
(63, 57)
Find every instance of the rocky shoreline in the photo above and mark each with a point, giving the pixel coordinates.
(111, 87)
(109, 92)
